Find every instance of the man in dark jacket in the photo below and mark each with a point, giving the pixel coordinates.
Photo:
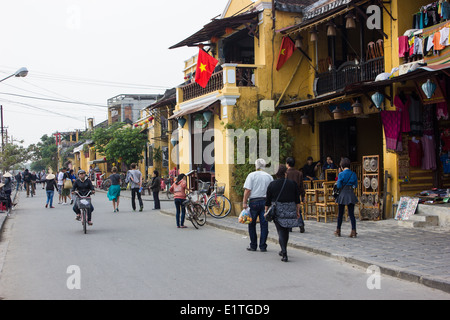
(27, 181)
(83, 185)
(297, 176)
(156, 187)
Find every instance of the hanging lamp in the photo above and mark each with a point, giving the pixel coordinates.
(314, 35)
(378, 99)
(331, 29)
(181, 122)
(429, 88)
(350, 21)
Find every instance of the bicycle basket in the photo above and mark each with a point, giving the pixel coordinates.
(220, 188)
(83, 203)
(203, 186)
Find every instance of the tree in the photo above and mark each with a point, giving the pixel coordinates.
(14, 156)
(241, 171)
(44, 154)
(127, 146)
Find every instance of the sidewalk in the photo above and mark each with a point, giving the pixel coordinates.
(417, 255)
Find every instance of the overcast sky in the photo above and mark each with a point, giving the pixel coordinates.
(89, 51)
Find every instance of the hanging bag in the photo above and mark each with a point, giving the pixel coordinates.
(271, 212)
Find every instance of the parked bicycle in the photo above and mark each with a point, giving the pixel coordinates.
(168, 183)
(216, 204)
(194, 211)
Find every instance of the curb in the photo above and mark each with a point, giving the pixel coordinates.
(407, 275)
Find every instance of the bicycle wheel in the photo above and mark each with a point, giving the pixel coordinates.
(84, 220)
(218, 206)
(190, 215)
(199, 214)
(169, 194)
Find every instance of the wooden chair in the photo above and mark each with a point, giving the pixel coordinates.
(328, 208)
(331, 174)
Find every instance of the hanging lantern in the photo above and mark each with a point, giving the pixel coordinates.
(378, 99)
(299, 42)
(181, 122)
(290, 122)
(228, 31)
(207, 116)
(350, 21)
(151, 118)
(338, 113)
(173, 141)
(429, 88)
(305, 119)
(314, 35)
(357, 108)
(214, 39)
(331, 30)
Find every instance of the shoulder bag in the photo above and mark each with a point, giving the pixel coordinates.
(271, 212)
(337, 191)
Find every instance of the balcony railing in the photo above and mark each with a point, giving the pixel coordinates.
(347, 74)
(237, 76)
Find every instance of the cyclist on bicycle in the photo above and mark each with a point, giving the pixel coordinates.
(83, 185)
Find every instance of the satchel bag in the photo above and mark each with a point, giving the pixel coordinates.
(68, 184)
(337, 191)
(272, 211)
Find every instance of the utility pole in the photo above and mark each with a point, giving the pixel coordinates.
(3, 141)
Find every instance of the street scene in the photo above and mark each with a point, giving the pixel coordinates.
(240, 150)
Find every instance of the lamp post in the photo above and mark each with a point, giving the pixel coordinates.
(22, 72)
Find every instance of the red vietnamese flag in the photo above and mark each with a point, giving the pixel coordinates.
(286, 51)
(205, 68)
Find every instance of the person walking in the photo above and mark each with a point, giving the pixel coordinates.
(347, 181)
(114, 189)
(285, 195)
(135, 178)
(27, 181)
(296, 176)
(156, 187)
(178, 188)
(50, 185)
(255, 187)
(60, 184)
(18, 181)
(8, 188)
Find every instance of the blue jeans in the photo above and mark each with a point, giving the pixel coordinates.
(50, 194)
(180, 209)
(257, 209)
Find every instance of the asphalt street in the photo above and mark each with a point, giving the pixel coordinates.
(142, 255)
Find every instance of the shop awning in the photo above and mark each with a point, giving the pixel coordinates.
(216, 28)
(194, 109)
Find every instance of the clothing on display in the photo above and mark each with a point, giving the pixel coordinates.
(415, 152)
(429, 153)
(403, 103)
(392, 124)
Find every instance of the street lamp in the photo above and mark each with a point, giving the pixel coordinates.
(22, 72)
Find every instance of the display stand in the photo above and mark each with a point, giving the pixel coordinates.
(371, 196)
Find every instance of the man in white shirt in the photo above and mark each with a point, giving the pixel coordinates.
(255, 197)
(60, 184)
(134, 177)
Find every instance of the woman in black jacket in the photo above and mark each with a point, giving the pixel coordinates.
(50, 187)
(156, 187)
(285, 194)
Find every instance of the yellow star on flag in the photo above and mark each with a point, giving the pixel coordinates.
(283, 52)
(202, 67)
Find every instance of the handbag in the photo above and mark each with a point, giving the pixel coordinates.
(337, 191)
(68, 184)
(271, 212)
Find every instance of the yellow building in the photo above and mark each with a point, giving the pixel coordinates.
(328, 90)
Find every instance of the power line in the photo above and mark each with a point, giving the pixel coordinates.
(52, 100)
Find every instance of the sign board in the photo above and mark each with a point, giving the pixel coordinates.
(406, 207)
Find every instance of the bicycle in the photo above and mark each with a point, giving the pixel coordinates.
(195, 212)
(168, 183)
(84, 204)
(218, 205)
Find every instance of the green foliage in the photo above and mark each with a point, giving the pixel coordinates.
(44, 154)
(127, 144)
(241, 171)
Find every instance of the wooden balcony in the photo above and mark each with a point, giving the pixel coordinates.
(236, 76)
(347, 74)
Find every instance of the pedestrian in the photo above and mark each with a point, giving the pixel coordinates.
(60, 184)
(178, 189)
(284, 193)
(296, 176)
(27, 181)
(255, 187)
(18, 181)
(114, 189)
(347, 181)
(50, 185)
(67, 185)
(134, 177)
(156, 187)
(8, 188)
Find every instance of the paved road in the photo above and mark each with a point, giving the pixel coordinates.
(132, 255)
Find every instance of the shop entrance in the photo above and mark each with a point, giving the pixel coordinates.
(352, 138)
